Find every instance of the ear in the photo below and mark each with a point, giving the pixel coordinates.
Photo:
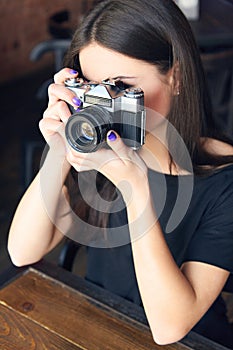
(174, 79)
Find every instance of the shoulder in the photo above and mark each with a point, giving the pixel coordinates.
(217, 147)
(221, 174)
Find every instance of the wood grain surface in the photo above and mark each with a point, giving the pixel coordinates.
(39, 312)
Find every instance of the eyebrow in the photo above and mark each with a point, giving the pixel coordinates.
(123, 77)
(120, 77)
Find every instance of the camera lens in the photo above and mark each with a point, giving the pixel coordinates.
(86, 130)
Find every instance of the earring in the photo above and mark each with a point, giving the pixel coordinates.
(177, 92)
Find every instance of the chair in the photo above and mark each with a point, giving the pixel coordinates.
(68, 253)
(218, 67)
(58, 47)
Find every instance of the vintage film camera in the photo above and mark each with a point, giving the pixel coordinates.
(106, 106)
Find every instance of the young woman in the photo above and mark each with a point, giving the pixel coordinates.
(164, 211)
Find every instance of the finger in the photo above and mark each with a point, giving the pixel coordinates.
(59, 111)
(63, 74)
(79, 161)
(50, 125)
(117, 145)
(58, 92)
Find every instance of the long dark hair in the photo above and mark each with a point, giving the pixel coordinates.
(157, 32)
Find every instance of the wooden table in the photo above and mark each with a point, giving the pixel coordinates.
(46, 307)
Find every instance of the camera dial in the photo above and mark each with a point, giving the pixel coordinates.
(133, 93)
(74, 82)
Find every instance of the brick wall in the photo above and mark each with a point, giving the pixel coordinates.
(23, 24)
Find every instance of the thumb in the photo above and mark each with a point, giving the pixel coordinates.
(116, 144)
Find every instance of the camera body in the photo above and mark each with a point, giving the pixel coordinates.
(106, 106)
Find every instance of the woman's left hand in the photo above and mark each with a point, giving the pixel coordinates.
(119, 163)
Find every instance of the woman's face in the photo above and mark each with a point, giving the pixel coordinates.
(99, 63)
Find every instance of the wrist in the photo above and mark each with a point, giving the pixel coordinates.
(55, 163)
(136, 194)
(141, 214)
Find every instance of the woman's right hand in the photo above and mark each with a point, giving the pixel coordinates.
(56, 115)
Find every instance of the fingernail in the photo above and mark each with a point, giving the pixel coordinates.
(76, 101)
(72, 71)
(112, 136)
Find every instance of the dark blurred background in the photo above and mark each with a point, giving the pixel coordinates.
(34, 35)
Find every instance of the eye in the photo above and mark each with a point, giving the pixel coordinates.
(128, 86)
(129, 83)
(122, 85)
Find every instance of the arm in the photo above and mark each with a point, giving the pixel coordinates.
(174, 299)
(33, 231)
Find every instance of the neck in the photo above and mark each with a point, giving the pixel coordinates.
(155, 154)
(157, 157)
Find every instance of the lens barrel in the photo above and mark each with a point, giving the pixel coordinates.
(86, 130)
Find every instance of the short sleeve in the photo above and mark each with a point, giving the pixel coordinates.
(212, 242)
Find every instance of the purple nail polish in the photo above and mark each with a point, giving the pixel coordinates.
(76, 101)
(72, 71)
(112, 136)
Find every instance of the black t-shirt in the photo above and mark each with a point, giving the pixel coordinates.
(196, 215)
